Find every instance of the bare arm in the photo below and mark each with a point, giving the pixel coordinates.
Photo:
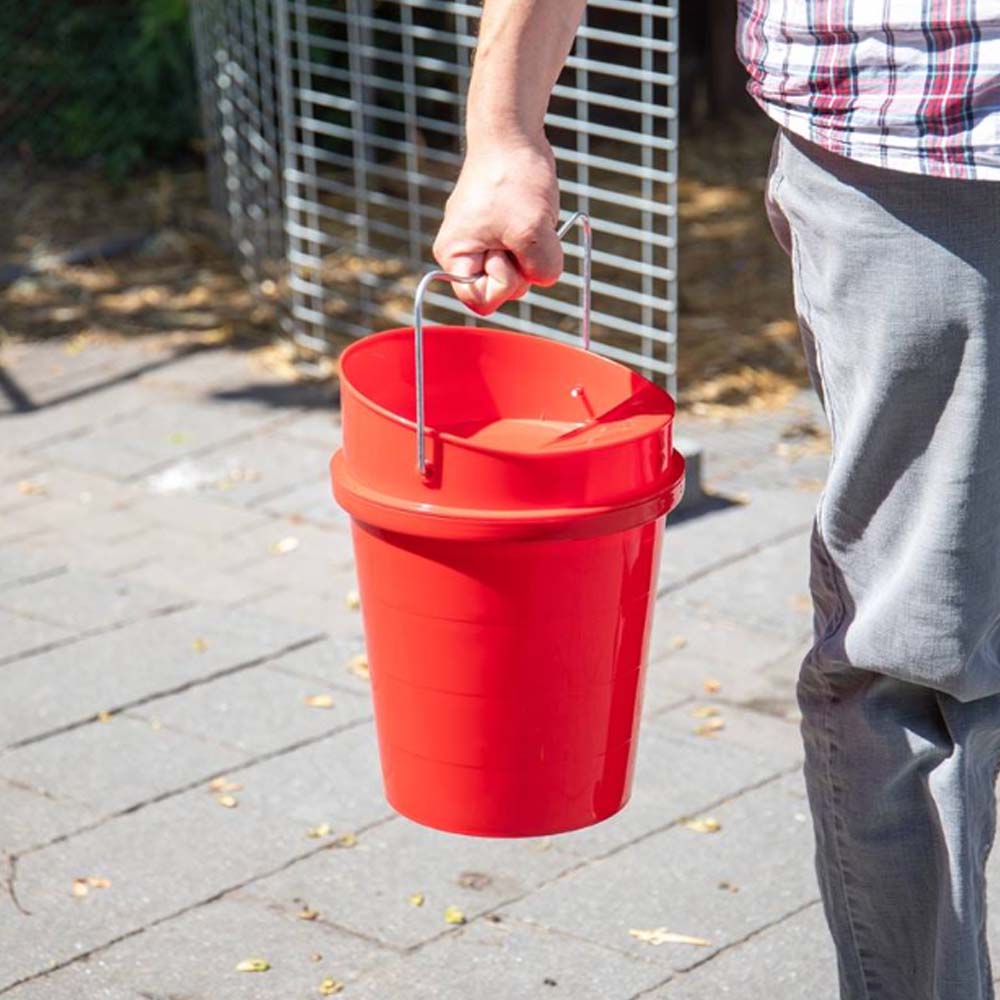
(501, 217)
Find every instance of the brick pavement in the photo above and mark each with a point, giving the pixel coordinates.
(173, 588)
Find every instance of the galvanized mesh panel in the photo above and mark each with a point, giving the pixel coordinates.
(370, 100)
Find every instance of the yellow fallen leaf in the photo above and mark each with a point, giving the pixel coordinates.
(358, 666)
(224, 785)
(178, 437)
(703, 824)
(711, 685)
(104, 716)
(678, 642)
(329, 987)
(199, 645)
(453, 915)
(705, 711)
(31, 489)
(660, 935)
(285, 545)
(307, 913)
(346, 840)
(353, 600)
(319, 701)
(83, 885)
(226, 800)
(416, 899)
(710, 728)
(317, 832)
(253, 965)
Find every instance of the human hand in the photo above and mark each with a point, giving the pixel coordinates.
(500, 222)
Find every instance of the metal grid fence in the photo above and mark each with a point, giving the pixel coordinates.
(362, 103)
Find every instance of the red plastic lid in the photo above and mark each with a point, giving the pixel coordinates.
(524, 436)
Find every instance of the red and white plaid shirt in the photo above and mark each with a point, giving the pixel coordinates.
(905, 84)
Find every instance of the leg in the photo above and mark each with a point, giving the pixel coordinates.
(898, 289)
(900, 781)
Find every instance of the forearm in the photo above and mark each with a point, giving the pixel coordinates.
(523, 45)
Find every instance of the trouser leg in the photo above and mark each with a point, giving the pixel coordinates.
(897, 282)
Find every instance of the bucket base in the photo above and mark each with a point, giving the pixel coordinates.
(508, 802)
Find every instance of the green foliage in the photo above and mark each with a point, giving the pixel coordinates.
(100, 81)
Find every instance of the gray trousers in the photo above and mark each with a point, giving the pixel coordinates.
(897, 289)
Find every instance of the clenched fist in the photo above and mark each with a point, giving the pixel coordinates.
(500, 221)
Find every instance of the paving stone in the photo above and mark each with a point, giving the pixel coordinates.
(80, 600)
(673, 879)
(102, 450)
(335, 780)
(312, 501)
(770, 592)
(195, 955)
(73, 486)
(112, 670)
(792, 960)
(259, 710)
(327, 661)
(161, 859)
(199, 515)
(20, 635)
(249, 470)
(195, 582)
(510, 960)
(319, 611)
(74, 520)
(117, 764)
(31, 818)
(701, 541)
(320, 427)
(15, 467)
(366, 889)
(687, 649)
(322, 564)
(678, 773)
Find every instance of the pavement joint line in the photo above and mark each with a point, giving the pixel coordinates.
(195, 682)
(33, 578)
(170, 793)
(88, 634)
(82, 956)
(679, 977)
(768, 543)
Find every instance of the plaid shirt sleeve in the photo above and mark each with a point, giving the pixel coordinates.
(909, 85)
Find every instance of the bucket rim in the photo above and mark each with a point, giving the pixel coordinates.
(569, 448)
(415, 517)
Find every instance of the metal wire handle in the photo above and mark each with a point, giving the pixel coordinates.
(418, 318)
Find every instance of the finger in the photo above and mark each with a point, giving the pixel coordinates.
(537, 252)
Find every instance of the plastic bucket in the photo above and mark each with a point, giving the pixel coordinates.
(507, 590)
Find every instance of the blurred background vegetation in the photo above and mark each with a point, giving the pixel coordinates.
(106, 83)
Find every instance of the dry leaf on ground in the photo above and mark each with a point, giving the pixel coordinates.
(253, 965)
(705, 711)
(703, 824)
(104, 716)
(319, 701)
(353, 600)
(307, 913)
(318, 832)
(285, 545)
(28, 488)
(416, 899)
(474, 880)
(710, 728)
(227, 801)
(358, 666)
(678, 642)
(83, 885)
(224, 785)
(711, 685)
(660, 935)
(329, 987)
(453, 915)
(199, 645)
(346, 840)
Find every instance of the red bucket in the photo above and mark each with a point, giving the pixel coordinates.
(507, 590)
